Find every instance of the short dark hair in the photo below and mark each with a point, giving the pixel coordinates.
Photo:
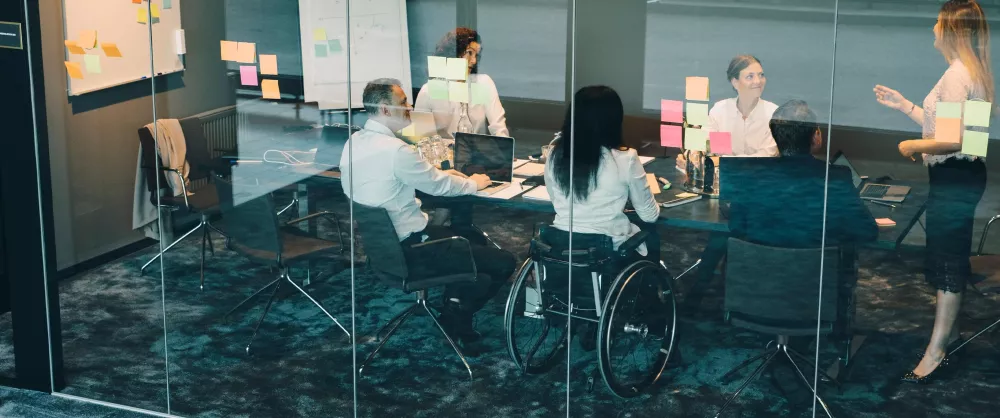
(454, 43)
(378, 92)
(793, 126)
(740, 63)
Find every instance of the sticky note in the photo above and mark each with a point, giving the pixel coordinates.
(438, 89)
(269, 88)
(335, 46)
(697, 88)
(93, 63)
(672, 111)
(885, 222)
(268, 64)
(697, 114)
(136, 1)
(949, 110)
(248, 75)
(73, 69)
(154, 10)
(458, 92)
(671, 136)
(654, 185)
(977, 113)
(74, 48)
(88, 39)
(975, 143)
(246, 52)
(480, 94)
(437, 67)
(230, 50)
(111, 50)
(141, 16)
(168, 4)
(458, 69)
(948, 130)
(319, 35)
(720, 143)
(321, 51)
(695, 139)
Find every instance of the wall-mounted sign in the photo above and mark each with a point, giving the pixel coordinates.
(10, 35)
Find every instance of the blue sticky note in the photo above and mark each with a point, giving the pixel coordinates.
(167, 4)
(975, 143)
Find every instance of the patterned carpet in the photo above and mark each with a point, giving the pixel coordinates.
(301, 365)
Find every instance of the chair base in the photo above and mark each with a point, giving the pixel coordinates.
(781, 347)
(206, 240)
(420, 306)
(976, 335)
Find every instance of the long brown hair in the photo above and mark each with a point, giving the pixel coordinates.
(965, 34)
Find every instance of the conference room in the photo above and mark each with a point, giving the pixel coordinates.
(513, 208)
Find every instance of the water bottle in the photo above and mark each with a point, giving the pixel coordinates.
(464, 123)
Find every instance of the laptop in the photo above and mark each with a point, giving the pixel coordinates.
(486, 154)
(872, 191)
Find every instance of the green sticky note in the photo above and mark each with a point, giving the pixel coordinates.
(697, 114)
(975, 143)
(320, 50)
(335, 46)
(93, 63)
(949, 110)
(438, 89)
(977, 113)
(695, 139)
(168, 4)
(480, 94)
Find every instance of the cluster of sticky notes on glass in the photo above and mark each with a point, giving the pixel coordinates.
(720, 143)
(324, 46)
(950, 119)
(672, 111)
(241, 52)
(695, 139)
(697, 88)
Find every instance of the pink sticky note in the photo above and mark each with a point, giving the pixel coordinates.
(885, 222)
(720, 143)
(670, 136)
(672, 111)
(248, 75)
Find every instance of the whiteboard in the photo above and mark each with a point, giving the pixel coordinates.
(116, 21)
(379, 47)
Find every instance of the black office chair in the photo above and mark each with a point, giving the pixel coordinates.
(393, 264)
(252, 224)
(203, 202)
(775, 291)
(987, 268)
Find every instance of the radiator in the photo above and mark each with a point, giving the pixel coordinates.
(220, 129)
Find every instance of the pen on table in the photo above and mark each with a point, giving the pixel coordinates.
(883, 204)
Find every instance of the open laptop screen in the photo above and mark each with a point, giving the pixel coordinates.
(841, 160)
(485, 154)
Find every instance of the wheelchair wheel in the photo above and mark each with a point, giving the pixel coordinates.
(536, 338)
(636, 332)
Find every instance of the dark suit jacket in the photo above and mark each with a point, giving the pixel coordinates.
(780, 204)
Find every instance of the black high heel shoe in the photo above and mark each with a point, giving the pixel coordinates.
(943, 368)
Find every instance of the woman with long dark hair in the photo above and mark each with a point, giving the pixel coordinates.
(957, 180)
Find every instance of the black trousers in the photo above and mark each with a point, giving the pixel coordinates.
(493, 265)
(956, 186)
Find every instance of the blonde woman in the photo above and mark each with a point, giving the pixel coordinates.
(957, 180)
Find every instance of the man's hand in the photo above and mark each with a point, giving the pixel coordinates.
(482, 181)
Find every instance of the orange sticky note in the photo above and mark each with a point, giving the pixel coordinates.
(268, 64)
(74, 48)
(136, 1)
(246, 52)
(88, 39)
(948, 130)
(230, 50)
(269, 88)
(697, 88)
(885, 222)
(654, 185)
(111, 50)
(73, 69)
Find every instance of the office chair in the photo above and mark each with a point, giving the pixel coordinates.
(775, 291)
(983, 265)
(392, 263)
(252, 224)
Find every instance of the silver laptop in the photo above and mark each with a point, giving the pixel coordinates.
(872, 191)
(486, 154)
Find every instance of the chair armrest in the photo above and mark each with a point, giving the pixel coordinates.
(184, 191)
(323, 215)
(634, 242)
(455, 240)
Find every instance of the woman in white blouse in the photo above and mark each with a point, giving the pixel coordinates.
(957, 180)
(486, 119)
(747, 115)
(605, 174)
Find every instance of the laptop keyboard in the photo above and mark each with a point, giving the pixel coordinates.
(875, 191)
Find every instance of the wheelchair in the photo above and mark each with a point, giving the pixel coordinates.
(629, 299)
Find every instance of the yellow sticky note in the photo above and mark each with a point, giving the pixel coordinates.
(88, 39)
(697, 114)
(111, 50)
(319, 35)
(246, 52)
(230, 50)
(654, 185)
(458, 92)
(154, 10)
(141, 15)
(73, 69)
(697, 88)
(269, 88)
(74, 48)
(948, 130)
(268, 64)
(93, 63)
(975, 143)
(685, 195)
(977, 113)
(695, 139)
(438, 89)
(437, 67)
(458, 69)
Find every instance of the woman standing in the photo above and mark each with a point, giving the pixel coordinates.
(746, 116)
(957, 180)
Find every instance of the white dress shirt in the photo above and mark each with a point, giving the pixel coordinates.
(620, 179)
(446, 114)
(751, 136)
(386, 172)
(955, 86)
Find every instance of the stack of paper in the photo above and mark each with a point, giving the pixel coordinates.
(538, 193)
(510, 192)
